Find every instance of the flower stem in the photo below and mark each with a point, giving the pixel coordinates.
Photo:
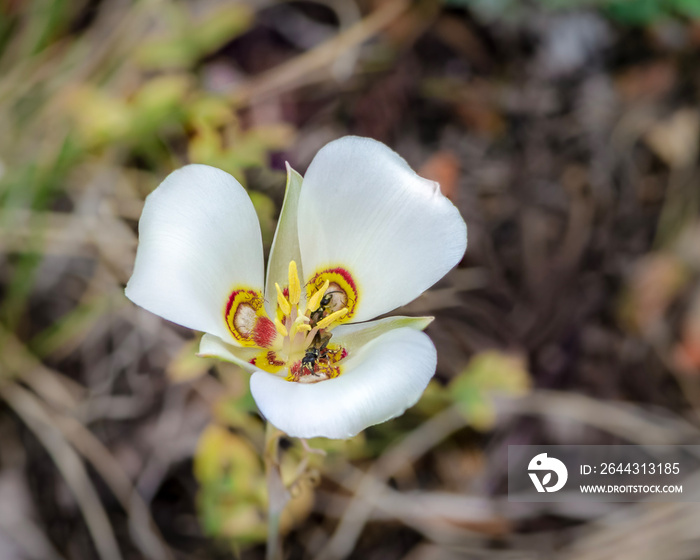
(277, 494)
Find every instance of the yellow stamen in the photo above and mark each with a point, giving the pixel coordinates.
(280, 327)
(282, 301)
(332, 317)
(294, 284)
(299, 324)
(316, 298)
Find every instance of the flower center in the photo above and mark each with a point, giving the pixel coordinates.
(299, 339)
(306, 329)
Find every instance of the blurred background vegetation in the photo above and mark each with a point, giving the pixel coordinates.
(565, 130)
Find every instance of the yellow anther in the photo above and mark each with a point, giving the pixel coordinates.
(316, 298)
(294, 284)
(280, 327)
(332, 317)
(282, 301)
(299, 325)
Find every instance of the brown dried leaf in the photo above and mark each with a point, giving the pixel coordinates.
(442, 167)
(186, 365)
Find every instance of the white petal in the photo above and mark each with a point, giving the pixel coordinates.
(285, 246)
(213, 347)
(379, 382)
(199, 238)
(363, 208)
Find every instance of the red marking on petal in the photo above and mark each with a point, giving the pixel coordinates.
(264, 332)
(343, 354)
(268, 361)
(273, 361)
(247, 321)
(346, 276)
(231, 299)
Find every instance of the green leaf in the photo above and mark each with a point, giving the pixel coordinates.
(687, 8)
(187, 365)
(636, 12)
(158, 101)
(488, 375)
(231, 498)
(220, 26)
(191, 39)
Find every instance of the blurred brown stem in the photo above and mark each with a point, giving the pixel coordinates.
(68, 463)
(277, 495)
(405, 452)
(291, 74)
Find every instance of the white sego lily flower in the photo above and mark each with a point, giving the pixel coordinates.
(360, 236)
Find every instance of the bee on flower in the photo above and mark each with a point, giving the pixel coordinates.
(360, 235)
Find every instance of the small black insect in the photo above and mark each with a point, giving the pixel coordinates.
(317, 351)
(322, 311)
(309, 360)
